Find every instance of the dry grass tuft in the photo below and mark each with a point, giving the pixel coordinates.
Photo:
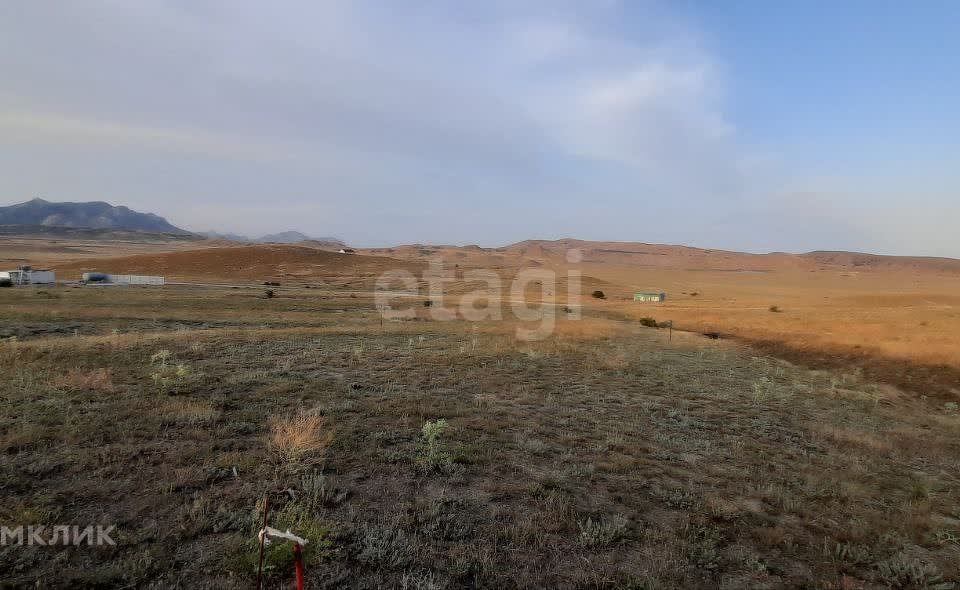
(301, 438)
(855, 438)
(188, 411)
(95, 380)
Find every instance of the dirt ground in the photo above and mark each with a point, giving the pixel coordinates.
(443, 454)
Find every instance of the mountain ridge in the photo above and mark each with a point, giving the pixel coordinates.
(285, 237)
(40, 217)
(91, 214)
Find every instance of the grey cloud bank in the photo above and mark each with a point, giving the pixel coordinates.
(385, 123)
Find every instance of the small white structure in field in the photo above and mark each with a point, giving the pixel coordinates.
(26, 275)
(100, 278)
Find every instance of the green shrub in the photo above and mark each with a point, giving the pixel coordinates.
(904, 572)
(703, 546)
(433, 454)
(166, 371)
(602, 531)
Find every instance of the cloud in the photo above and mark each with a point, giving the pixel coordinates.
(34, 127)
(479, 122)
(370, 78)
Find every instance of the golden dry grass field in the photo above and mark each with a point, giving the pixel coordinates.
(902, 315)
(898, 308)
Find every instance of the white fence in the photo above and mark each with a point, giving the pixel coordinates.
(108, 279)
(135, 280)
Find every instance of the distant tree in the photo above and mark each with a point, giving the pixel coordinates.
(598, 295)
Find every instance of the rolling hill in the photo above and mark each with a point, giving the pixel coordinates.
(283, 262)
(638, 255)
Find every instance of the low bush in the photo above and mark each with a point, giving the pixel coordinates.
(602, 531)
(433, 454)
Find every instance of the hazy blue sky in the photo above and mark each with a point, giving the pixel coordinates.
(788, 125)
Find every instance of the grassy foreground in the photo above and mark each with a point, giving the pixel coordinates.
(448, 454)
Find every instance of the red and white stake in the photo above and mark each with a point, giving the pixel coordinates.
(267, 533)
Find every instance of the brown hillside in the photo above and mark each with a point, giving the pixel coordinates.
(859, 261)
(247, 263)
(659, 256)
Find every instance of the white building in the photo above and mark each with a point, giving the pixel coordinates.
(27, 276)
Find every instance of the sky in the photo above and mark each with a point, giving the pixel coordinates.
(745, 125)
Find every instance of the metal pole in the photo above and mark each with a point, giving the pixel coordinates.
(298, 564)
(266, 512)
